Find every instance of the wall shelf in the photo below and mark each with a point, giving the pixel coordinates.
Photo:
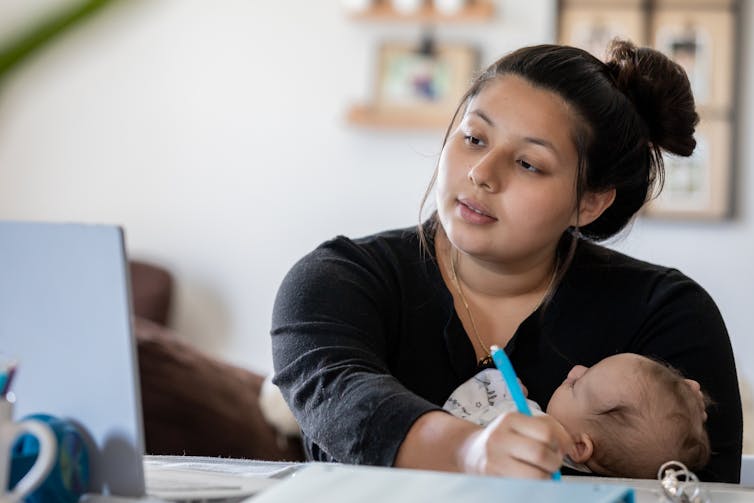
(476, 11)
(383, 113)
(371, 117)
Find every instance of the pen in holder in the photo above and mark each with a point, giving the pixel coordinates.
(43, 459)
(6, 378)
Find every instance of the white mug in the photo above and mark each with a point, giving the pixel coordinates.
(9, 432)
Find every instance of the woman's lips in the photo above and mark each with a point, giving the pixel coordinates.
(473, 212)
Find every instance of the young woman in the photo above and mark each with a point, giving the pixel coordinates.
(549, 151)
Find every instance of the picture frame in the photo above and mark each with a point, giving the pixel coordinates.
(426, 83)
(699, 35)
(591, 27)
(701, 41)
(698, 187)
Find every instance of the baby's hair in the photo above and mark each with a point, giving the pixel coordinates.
(668, 424)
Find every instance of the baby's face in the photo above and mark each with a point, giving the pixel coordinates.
(589, 391)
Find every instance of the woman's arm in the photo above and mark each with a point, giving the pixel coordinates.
(513, 445)
(437, 441)
(333, 327)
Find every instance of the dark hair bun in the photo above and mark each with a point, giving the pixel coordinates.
(661, 93)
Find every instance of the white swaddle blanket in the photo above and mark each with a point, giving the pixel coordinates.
(483, 398)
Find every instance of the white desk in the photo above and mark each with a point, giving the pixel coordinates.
(257, 476)
(648, 491)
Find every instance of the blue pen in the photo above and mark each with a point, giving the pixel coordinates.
(503, 364)
(7, 370)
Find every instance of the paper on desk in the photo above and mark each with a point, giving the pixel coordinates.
(242, 467)
(188, 477)
(324, 483)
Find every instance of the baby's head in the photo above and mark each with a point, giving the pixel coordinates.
(629, 414)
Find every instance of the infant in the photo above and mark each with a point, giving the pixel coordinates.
(627, 414)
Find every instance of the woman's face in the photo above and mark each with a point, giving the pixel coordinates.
(506, 186)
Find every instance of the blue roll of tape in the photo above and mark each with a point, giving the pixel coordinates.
(69, 478)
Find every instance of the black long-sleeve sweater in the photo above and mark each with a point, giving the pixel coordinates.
(366, 339)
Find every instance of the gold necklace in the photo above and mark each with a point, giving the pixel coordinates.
(487, 358)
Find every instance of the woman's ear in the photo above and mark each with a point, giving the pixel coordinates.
(583, 448)
(593, 204)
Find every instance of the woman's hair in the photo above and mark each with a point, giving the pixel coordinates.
(625, 112)
(666, 424)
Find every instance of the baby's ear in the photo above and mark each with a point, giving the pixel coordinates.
(583, 448)
(703, 400)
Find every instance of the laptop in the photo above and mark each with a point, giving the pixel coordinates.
(65, 316)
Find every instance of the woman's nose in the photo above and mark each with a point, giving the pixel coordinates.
(484, 175)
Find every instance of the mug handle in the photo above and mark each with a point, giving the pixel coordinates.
(45, 459)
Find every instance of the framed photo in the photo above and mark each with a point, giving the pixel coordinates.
(701, 41)
(698, 187)
(429, 83)
(591, 27)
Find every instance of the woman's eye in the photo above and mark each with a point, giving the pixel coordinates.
(528, 167)
(472, 140)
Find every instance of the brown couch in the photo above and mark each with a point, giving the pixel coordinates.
(194, 404)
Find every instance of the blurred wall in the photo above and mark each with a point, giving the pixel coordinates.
(214, 132)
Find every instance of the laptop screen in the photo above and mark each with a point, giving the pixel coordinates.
(65, 317)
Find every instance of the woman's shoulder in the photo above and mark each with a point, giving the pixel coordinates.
(597, 266)
(403, 238)
(379, 267)
(393, 246)
(391, 253)
(590, 256)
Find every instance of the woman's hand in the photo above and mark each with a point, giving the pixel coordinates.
(515, 445)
